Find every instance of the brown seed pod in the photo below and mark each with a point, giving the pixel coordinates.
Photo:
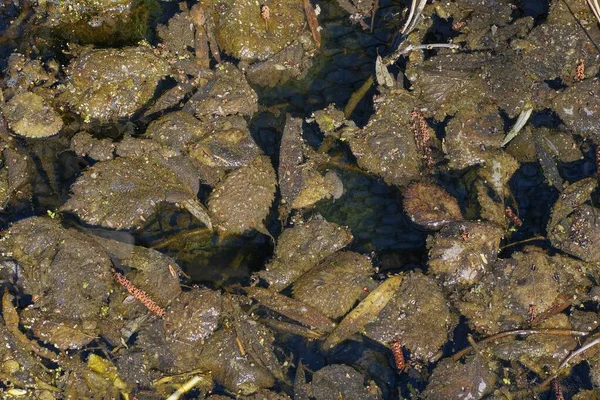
(558, 394)
(396, 346)
(139, 294)
(265, 12)
(513, 217)
(580, 71)
(532, 313)
(422, 134)
(598, 160)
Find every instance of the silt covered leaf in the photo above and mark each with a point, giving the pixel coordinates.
(30, 116)
(49, 257)
(336, 284)
(122, 193)
(242, 201)
(227, 145)
(107, 84)
(291, 308)
(68, 275)
(301, 247)
(518, 289)
(430, 206)
(15, 173)
(460, 253)
(417, 315)
(339, 381)
(471, 134)
(386, 146)
(473, 379)
(300, 183)
(492, 188)
(574, 226)
(228, 94)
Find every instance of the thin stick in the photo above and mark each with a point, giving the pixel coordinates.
(167, 379)
(373, 12)
(546, 383)
(404, 50)
(555, 332)
(558, 307)
(577, 352)
(532, 239)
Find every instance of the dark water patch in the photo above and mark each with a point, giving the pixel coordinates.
(546, 117)
(537, 9)
(203, 255)
(556, 83)
(373, 212)
(535, 198)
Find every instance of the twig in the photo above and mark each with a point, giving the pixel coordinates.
(373, 12)
(518, 332)
(413, 6)
(532, 239)
(313, 22)
(197, 372)
(561, 304)
(577, 352)
(406, 49)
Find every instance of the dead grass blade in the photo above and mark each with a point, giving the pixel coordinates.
(416, 9)
(365, 312)
(595, 6)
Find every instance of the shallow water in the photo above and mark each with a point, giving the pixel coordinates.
(372, 209)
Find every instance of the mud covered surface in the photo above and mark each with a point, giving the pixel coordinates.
(311, 200)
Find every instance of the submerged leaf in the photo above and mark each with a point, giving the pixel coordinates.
(418, 315)
(454, 380)
(336, 284)
(291, 308)
(548, 165)
(123, 193)
(430, 206)
(242, 201)
(302, 247)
